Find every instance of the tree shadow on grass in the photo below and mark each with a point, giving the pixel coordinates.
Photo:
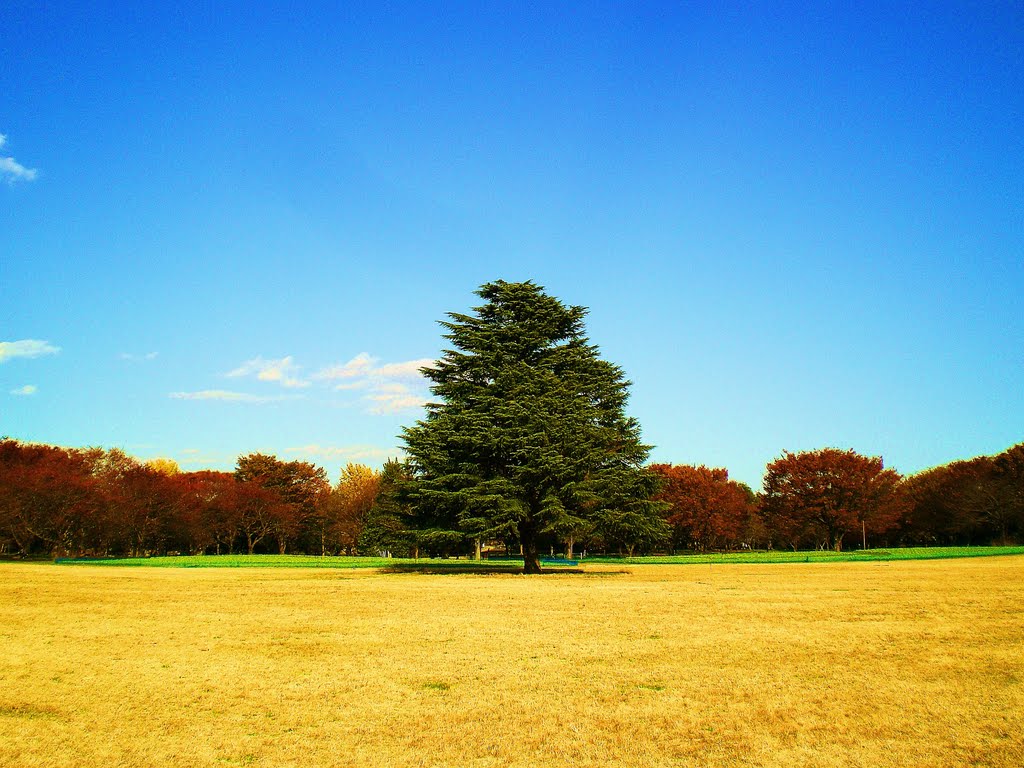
(477, 570)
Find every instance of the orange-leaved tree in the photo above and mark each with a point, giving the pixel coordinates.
(821, 496)
(707, 510)
(348, 505)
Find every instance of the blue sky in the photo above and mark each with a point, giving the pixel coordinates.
(226, 229)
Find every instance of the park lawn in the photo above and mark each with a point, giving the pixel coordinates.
(817, 556)
(313, 561)
(899, 663)
(304, 561)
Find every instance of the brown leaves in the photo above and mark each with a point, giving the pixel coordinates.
(825, 494)
(708, 510)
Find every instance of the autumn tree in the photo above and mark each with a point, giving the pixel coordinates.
(993, 494)
(142, 501)
(938, 509)
(49, 500)
(1008, 477)
(164, 465)
(528, 435)
(828, 493)
(349, 504)
(261, 513)
(388, 523)
(968, 501)
(300, 485)
(706, 508)
(210, 510)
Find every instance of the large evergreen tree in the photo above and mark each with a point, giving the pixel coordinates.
(528, 436)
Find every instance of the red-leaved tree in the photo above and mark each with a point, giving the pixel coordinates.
(706, 509)
(821, 496)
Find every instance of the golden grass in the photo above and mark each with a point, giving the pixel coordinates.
(874, 664)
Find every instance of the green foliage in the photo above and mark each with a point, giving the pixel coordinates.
(387, 523)
(529, 435)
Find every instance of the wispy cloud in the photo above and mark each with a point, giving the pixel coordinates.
(331, 453)
(138, 358)
(384, 388)
(11, 169)
(410, 369)
(227, 395)
(281, 371)
(28, 389)
(390, 387)
(197, 458)
(393, 397)
(26, 348)
(394, 402)
(365, 366)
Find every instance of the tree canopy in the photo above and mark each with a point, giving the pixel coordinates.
(829, 493)
(528, 435)
(707, 510)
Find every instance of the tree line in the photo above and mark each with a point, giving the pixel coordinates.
(526, 448)
(92, 502)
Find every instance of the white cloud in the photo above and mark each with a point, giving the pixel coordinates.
(393, 402)
(365, 365)
(196, 458)
(26, 348)
(223, 394)
(332, 453)
(390, 386)
(12, 169)
(361, 384)
(387, 388)
(138, 358)
(28, 389)
(359, 366)
(279, 371)
(407, 370)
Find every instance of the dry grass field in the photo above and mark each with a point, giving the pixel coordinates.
(859, 664)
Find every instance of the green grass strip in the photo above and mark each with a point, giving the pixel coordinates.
(723, 558)
(265, 561)
(817, 556)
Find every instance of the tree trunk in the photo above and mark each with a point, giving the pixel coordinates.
(568, 547)
(478, 549)
(528, 543)
(531, 558)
